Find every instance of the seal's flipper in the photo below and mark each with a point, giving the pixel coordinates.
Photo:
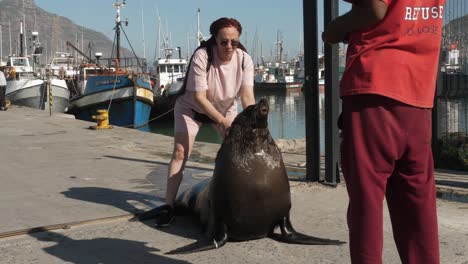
(289, 235)
(220, 238)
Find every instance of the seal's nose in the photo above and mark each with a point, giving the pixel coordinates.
(264, 109)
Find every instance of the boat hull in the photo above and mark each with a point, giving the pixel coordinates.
(129, 104)
(34, 93)
(281, 86)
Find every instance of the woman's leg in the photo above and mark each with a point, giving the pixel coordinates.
(185, 131)
(183, 143)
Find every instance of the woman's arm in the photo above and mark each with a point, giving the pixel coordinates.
(201, 99)
(247, 96)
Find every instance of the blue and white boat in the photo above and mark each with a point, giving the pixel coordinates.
(118, 85)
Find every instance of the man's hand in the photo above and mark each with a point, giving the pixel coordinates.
(334, 33)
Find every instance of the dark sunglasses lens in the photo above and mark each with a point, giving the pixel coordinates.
(234, 43)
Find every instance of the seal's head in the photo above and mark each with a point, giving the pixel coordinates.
(253, 117)
(250, 128)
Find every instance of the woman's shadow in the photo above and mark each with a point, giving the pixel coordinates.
(186, 226)
(100, 250)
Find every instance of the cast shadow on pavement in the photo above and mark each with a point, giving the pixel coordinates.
(100, 250)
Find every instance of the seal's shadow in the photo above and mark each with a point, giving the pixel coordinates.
(100, 250)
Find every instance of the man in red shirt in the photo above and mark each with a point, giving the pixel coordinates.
(388, 91)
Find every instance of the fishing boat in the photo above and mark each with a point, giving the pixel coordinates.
(169, 74)
(27, 87)
(63, 71)
(278, 75)
(118, 85)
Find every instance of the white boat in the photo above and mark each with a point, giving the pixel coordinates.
(27, 87)
(168, 73)
(63, 65)
(24, 87)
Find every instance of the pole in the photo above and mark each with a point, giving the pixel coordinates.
(118, 5)
(1, 43)
(332, 100)
(143, 29)
(21, 40)
(311, 90)
(9, 32)
(198, 28)
(51, 98)
(159, 37)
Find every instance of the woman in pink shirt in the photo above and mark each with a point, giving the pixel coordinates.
(219, 73)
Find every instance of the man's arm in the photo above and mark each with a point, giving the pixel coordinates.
(363, 15)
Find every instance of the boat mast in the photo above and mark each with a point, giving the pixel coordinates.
(159, 36)
(199, 37)
(1, 43)
(21, 40)
(143, 29)
(9, 34)
(118, 5)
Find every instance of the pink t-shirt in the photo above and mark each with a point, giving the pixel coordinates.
(223, 82)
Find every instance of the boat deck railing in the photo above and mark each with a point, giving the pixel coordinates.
(136, 64)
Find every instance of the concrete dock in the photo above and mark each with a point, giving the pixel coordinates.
(79, 188)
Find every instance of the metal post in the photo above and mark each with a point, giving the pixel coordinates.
(1, 43)
(51, 98)
(435, 109)
(311, 90)
(332, 100)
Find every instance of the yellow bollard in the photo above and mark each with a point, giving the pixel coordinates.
(102, 120)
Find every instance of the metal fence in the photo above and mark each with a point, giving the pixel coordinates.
(451, 106)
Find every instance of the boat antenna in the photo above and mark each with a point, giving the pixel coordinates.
(118, 5)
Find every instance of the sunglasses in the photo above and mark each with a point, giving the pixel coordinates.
(234, 43)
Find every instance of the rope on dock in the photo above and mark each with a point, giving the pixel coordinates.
(113, 91)
(65, 225)
(151, 120)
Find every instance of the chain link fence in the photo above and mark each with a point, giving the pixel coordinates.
(451, 112)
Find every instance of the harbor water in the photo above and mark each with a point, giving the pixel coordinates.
(285, 121)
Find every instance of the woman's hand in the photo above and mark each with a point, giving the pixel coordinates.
(225, 125)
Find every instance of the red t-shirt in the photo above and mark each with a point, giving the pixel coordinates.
(398, 57)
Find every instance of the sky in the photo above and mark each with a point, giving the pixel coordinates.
(261, 20)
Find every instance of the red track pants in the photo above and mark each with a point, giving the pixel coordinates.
(386, 152)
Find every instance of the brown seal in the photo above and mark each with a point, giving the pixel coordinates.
(248, 195)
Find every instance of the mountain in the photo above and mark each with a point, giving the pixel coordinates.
(54, 30)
